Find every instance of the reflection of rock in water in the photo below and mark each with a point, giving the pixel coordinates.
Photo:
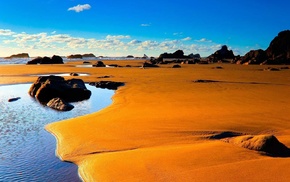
(107, 84)
(14, 99)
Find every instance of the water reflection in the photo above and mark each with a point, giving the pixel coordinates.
(27, 151)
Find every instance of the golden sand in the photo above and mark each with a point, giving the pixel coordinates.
(159, 125)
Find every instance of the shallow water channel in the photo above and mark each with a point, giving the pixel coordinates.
(27, 150)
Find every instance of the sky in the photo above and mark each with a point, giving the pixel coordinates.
(138, 27)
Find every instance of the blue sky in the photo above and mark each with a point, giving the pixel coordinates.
(120, 28)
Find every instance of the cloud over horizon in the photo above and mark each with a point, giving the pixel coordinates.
(45, 43)
(80, 8)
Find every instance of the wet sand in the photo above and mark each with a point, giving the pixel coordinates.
(161, 124)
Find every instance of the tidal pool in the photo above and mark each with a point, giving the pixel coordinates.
(27, 151)
(61, 74)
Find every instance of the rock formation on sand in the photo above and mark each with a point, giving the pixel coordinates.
(21, 55)
(48, 88)
(46, 60)
(278, 52)
(267, 144)
(222, 54)
(99, 64)
(254, 57)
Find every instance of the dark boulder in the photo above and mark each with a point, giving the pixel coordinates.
(74, 74)
(59, 104)
(99, 64)
(41, 80)
(46, 60)
(278, 51)
(149, 65)
(176, 66)
(222, 54)
(107, 84)
(254, 57)
(35, 61)
(46, 88)
(56, 60)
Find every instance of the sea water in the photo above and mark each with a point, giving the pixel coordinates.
(27, 150)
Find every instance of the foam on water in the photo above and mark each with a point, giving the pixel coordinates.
(27, 151)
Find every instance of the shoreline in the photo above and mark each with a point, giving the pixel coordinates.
(158, 122)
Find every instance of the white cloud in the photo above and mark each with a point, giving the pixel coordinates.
(186, 39)
(134, 42)
(203, 40)
(39, 44)
(145, 25)
(6, 32)
(80, 8)
(117, 37)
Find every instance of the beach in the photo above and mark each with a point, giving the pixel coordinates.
(162, 122)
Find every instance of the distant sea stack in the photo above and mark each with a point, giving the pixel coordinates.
(21, 55)
(278, 52)
(81, 56)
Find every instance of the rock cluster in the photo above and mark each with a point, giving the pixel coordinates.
(46, 60)
(278, 52)
(176, 57)
(56, 92)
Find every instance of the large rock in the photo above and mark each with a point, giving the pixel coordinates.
(47, 88)
(254, 57)
(222, 54)
(46, 60)
(99, 64)
(278, 51)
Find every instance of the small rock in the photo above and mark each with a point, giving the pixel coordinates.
(59, 104)
(176, 66)
(14, 99)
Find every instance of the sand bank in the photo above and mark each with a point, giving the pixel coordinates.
(160, 122)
